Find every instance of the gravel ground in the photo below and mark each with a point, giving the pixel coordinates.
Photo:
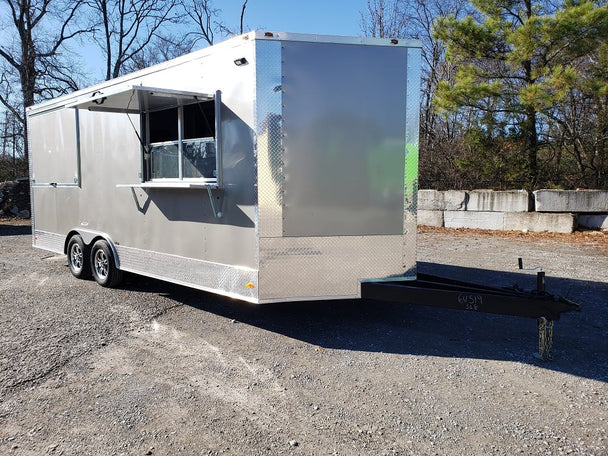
(152, 368)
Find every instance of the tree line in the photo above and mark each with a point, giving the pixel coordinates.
(514, 92)
(42, 43)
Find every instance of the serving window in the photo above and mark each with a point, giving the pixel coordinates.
(179, 131)
(182, 142)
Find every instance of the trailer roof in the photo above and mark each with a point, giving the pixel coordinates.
(311, 38)
(77, 99)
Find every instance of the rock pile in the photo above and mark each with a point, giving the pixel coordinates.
(15, 198)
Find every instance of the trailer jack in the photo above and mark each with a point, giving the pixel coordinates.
(435, 291)
(545, 339)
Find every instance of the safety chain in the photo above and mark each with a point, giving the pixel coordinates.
(545, 339)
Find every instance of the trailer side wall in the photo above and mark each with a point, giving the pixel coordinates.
(169, 233)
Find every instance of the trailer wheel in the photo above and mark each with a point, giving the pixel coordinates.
(78, 258)
(103, 265)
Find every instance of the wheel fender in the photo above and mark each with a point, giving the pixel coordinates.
(89, 237)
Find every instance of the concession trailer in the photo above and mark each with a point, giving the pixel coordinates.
(271, 167)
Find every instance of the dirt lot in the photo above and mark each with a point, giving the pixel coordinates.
(157, 369)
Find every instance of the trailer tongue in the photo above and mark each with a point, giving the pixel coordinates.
(428, 290)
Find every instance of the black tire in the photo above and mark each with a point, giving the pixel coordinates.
(103, 266)
(78, 258)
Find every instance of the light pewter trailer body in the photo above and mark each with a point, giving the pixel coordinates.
(270, 167)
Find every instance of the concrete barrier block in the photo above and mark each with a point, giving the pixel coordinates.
(455, 200)
(499, 201)
(571, 200)
(482, 220)
(430, 218)
(539, 222)
(594, 222)
(430, 200)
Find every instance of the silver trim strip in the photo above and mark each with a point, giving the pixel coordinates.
(218, 139)
(285, 36)
(54, 185)
(307, 299)
(179, 184)
(78, 178)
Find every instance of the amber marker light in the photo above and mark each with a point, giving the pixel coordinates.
(249, 285)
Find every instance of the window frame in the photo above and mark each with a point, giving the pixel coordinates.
(147, 161)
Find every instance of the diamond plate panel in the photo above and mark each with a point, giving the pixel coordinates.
(49, 241)
(215, 277)
(303, 268)
(268, 123)
(412, 124)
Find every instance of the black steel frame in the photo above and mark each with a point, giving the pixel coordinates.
(435, 291)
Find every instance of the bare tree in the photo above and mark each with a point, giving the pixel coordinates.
(10, 93)
(207, 21)
(142, 39)
(384, 19)
(420, 18)
(439, 136)
(161, 49)
(128, 27)
(205, 18)
(33, 58)
(415, 19)
(243, 16)
(12, 163)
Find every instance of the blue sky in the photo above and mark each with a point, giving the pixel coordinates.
(323, 17)
(326, 17)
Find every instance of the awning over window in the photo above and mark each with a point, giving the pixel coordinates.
(136, 99)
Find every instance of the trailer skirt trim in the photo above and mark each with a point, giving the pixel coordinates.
(227, 280)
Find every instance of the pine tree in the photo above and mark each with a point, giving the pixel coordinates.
(518, 58)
